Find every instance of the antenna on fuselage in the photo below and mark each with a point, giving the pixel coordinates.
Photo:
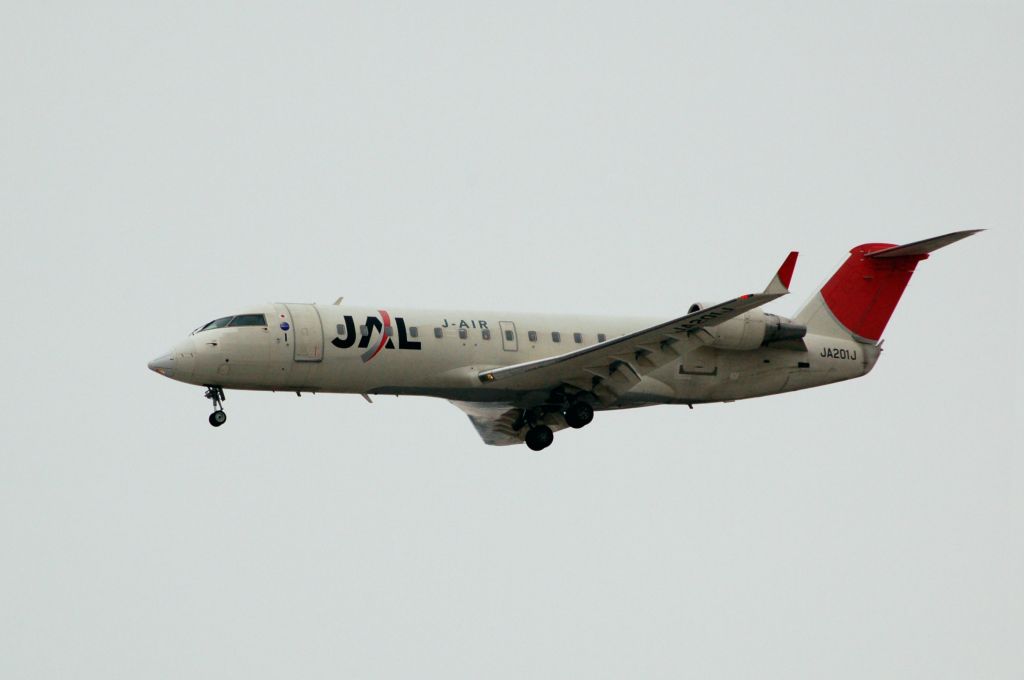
(338, 301)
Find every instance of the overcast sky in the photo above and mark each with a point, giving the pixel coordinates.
(162, 164)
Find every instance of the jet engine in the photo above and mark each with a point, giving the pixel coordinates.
(748, 331)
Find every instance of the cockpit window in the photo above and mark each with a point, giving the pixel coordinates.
(248, 320)
(234, 322)
(217, 323)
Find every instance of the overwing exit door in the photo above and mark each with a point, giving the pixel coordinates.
(509, 340)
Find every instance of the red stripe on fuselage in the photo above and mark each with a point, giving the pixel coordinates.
(386, 319)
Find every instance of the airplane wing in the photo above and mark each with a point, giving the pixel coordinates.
(611, 368)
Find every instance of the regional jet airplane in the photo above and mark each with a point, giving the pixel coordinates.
(522, 377)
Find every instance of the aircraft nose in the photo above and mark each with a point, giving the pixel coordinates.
(178, 364)
(164, 365)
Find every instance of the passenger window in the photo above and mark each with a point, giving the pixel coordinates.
(578, 337)
(463, 333)
(364, 331)
(556, 336)
(414, 331)
(342, 331)
(532, 335)
(510, 336)
(437, 332)
(486, 333)
(601, 337)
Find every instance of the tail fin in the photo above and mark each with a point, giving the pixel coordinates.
(861, 296)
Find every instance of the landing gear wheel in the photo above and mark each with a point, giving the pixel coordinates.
(579, 414)
(539, 437)
(216, 395)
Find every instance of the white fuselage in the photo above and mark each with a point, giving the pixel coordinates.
(338, 348)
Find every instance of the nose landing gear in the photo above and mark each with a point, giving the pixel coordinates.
(216, 395)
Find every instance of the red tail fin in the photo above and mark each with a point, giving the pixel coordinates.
(863, 293)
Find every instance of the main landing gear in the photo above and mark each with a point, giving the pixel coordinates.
(539, 437)
(577, 414)
(216, 395)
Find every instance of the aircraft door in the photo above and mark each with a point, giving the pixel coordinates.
(308, 332)
(509, 340)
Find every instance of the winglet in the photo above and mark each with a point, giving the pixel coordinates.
(779, 285)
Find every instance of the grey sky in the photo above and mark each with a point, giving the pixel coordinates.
(163, 164)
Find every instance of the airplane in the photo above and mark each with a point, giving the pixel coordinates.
(522, 377)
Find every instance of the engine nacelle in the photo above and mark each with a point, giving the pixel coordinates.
(748, 331)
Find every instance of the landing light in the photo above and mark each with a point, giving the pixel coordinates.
(163, 365)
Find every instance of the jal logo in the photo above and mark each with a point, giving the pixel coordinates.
(380, 325)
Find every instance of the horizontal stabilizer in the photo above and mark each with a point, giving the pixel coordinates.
(924, 247)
